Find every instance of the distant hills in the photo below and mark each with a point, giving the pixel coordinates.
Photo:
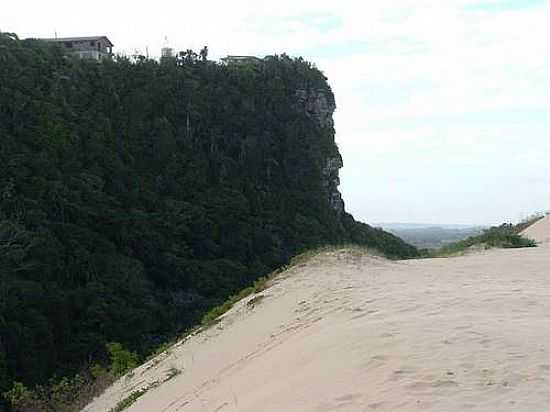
(407, 226)
(431, 236)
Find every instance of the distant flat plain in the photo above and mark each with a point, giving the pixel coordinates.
(426, 236)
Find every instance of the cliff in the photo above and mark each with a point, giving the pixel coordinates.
(319, 105)
(136, 195)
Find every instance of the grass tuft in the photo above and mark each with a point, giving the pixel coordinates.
(128, 401)
(172, 373)
(213, 315)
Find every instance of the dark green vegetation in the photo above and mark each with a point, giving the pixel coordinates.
(135, 196)
(503, 236)
(213, 314)
(72, 393)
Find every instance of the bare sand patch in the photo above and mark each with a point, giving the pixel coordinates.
(356, 333)
(539, 231)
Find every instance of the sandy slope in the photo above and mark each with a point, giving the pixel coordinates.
(539, 231)
(354, 333)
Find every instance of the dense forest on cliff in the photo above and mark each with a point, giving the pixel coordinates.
(135, 195)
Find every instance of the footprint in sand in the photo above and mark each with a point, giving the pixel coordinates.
(401, 373)
(444, 383)
(361, 315)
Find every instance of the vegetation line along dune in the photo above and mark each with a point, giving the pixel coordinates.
(507, 236)
(137, 195)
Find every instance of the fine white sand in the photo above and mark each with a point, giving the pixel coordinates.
(347, 332)
(539, 231)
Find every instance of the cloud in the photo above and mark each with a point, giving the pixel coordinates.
(502, 5)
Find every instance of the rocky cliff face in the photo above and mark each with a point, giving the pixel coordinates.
(319, 105)
(331, 181)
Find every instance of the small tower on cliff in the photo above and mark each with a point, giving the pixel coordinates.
(166, 51)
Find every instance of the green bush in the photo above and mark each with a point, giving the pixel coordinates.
(122, 360)
(18, 395)
(97, 371)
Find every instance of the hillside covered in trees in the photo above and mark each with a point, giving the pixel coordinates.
(134, 196)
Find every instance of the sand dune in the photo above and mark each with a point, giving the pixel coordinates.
(348, 332)
(539, 231)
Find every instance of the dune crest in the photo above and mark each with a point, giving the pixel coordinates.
(539, 231)
(350, 332)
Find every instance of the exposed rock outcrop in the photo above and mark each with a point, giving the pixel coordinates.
(319, 105)
(331, 181)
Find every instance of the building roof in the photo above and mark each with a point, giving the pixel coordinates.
(76, 39)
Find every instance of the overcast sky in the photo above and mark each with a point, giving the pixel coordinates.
(443, 105)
